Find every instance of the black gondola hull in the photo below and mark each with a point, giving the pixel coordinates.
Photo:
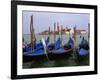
(57, 56)
(49, 56)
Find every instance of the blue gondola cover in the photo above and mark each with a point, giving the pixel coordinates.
(58, 43)
(47, 41)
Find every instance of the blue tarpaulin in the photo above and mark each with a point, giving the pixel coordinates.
(83, 52)
(58, 43)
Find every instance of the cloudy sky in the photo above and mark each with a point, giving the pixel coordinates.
(42, 20)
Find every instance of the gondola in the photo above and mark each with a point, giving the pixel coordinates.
(83, 50)
(37, 54)
(34, 56)
(61, 52)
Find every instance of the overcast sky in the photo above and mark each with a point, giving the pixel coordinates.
(42, 20)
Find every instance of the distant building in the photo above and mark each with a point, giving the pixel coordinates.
(64, 31)
(78, 32)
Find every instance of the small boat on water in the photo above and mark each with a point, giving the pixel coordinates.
(38, 53)
(37, 46)
(83, 50)
(35, 50)
(58, 50)
(83, 47)
(61, 52)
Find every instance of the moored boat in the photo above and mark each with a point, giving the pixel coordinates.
(83, 50)
(34, 51)
(38, 53)
(61, 52)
